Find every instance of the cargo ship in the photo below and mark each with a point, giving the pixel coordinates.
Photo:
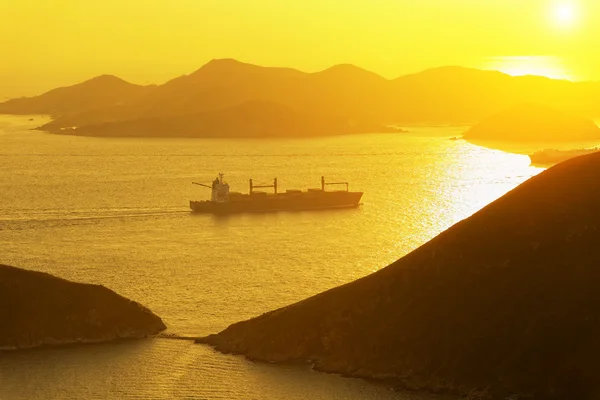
(223, 201)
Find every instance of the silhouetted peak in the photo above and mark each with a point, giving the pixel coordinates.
(107, 80)
(349, 71)
(539, 79)
(345, 68)
(100, 84)
(104, 81)
(453, 70)
(217, 70)
(225, 65)
(484, 73)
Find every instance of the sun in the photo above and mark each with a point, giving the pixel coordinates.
(565, 14)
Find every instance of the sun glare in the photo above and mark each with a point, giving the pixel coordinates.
(565, 14)
(548, 66)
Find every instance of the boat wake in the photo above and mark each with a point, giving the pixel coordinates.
(24, 218)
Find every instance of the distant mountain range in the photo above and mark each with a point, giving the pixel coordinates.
(342, 99)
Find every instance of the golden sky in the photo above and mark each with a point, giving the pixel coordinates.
(44, 44)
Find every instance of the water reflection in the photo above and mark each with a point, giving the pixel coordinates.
(479, 183)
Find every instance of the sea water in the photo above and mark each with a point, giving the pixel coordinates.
(115, 212)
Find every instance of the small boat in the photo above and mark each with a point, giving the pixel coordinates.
(224, 201)
(551, 156)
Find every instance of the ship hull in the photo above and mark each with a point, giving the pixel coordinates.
(281, 202)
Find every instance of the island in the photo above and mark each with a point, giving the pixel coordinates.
(38, 309)
(100, 92)
(552, 156)
(252, 119)
(504, 303)
(529, 122)
(340, 99)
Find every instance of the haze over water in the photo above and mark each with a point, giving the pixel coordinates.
(114, 212)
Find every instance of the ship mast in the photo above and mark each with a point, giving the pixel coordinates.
(323, 183)
(274, 186)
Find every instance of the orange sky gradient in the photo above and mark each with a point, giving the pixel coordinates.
(47, 44)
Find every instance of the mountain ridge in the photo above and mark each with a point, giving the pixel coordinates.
(452, 94)
(97, 92)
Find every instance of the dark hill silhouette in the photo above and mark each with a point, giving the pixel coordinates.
(250, 119)
(446, 95)
(99, 92)
(534, 123)
(229, 71)
(38, 309)
(342, 90)
(218, 84)
(508, 300)
(466, 95)
(348, 74)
